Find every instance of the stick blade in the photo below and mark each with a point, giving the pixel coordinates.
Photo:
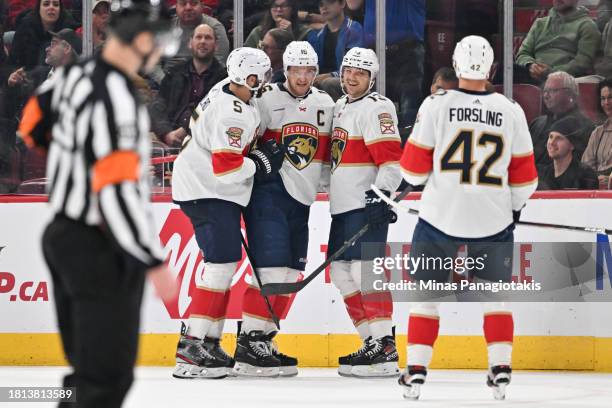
(270, 289)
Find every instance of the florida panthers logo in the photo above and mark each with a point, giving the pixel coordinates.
(301, 141)
(338, 144)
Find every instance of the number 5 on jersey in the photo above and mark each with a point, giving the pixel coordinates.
(462, 146)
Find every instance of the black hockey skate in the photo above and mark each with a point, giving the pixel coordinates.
(498, 379)
(288, 364)
(345, 365)
(254, 357)
(379, 361)
(195, 360)
(213, 346)
(412, 380)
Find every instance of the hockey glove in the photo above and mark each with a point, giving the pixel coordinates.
(378, 213)
(268, 159)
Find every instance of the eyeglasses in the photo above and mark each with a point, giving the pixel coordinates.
(552, 90)
(280, 6)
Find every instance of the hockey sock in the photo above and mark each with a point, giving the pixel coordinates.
(377, 306)
(255, 314)
(210, 298)
(340, 274)
(423, 327)
(282, 303)
(498, 329)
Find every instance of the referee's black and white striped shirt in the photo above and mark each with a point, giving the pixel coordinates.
(98, 152)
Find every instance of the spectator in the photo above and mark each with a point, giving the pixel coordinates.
(26, 61)
(185, 85)
(565, 171)
(273, 44)
(405, 51)
(188, 17)
(561, 99)
(338, 35)
(65, 48)
(32, 36)
(100, 17)
(444, 78)
(598, 154)
(604, 12)
(565, 40)
(281, 14)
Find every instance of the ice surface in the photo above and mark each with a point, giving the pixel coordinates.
(314, 387)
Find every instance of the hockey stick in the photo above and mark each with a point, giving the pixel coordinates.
(527, 223)
(256, 274)
(285, 288)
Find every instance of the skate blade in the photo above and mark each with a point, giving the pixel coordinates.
(247, 370)
(499, 392)
(381, 370)
(288, 371)
(412, 392)
(345, 370)
(192, 371)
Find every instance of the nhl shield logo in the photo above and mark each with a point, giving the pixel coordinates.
(301, 141)
(338, 144)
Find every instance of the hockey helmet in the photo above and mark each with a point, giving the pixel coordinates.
(473, 58)
(246, 61)
(363, 58)
(300, 54)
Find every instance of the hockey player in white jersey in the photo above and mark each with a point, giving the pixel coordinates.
(299, 117)
(212, 182)
(473, 150)
(365, 150)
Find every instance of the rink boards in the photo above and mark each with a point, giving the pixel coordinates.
(576, 336)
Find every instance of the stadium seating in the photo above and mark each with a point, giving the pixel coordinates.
(589, 100)
(528, 96)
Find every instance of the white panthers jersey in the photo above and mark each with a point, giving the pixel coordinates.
(365, 150)
(212, 163)
(303, 126)
(475, 152)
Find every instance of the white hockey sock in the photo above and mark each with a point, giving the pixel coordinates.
(381, 328)
(500, 354)
(250, 323)
(216, 329)
(364, 330)
(198, 327)
(423, 327)
(419, 354)
(498, 327)
(217, 278)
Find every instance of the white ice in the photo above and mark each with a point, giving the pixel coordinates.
(154, 387)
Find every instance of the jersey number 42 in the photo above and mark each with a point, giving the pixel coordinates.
(463, 146)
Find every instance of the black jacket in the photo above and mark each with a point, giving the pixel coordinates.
(540, 128)
(31, 40)
(167, 104)
(576, 176)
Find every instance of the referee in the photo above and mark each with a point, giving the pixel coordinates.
(102, 239)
